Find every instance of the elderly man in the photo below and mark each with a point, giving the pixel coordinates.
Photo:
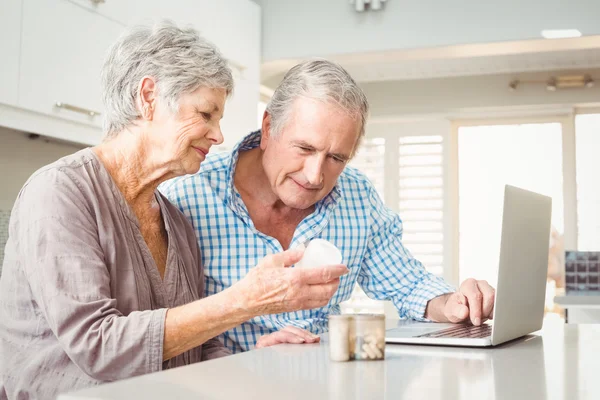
(287, 184)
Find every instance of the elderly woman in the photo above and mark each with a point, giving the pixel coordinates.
(102, 275)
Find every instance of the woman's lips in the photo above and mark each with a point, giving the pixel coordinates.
(201, 150)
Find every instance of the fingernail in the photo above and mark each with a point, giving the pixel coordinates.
(477, 321)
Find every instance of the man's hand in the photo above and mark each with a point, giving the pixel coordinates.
(289, 334)
(474, 301)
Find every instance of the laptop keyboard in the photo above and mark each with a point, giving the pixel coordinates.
(462, 331)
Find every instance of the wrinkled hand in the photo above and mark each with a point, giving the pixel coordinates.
(271, 287)
(289, 334)
(473, 302)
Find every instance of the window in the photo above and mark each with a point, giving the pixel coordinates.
(405, 162)
(421, 198)
(369, 159)
(448, 188)
(527, 156)
(588, 186)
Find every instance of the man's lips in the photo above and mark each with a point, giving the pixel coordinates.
(312, 188)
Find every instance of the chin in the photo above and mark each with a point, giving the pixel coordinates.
(191, 168)
(299, 202)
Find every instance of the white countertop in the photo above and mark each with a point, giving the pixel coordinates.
(559, 362)
(587, 300)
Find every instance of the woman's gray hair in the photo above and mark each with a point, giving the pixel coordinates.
(320, 80)
(179, 59)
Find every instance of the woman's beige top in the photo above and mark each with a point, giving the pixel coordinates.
(81, 299)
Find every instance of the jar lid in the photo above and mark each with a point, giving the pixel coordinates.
(369, 316)
(340, 316)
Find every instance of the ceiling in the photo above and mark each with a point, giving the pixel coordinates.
(425, 69)
(465, 60)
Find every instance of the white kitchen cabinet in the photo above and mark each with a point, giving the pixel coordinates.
(10, 42)
(52, 53)
(63, 47)
(232, 25)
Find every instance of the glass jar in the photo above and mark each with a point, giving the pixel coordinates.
(340, 344)
(368, 337)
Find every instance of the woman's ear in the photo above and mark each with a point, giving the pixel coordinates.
(147, 98)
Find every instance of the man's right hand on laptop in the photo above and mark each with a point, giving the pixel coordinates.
(473, 302)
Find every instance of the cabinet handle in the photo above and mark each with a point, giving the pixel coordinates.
(80, 110)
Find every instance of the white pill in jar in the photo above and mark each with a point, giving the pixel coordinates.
(369, 336)
(318, 253)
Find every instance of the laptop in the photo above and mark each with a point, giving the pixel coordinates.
(521, 289)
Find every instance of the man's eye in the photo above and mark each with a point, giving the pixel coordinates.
(206, 115)
(305, 149)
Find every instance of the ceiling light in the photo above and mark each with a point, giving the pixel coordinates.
(557, 82)
(573, 81)
(362, 5)
(551, 85)
(560, 33)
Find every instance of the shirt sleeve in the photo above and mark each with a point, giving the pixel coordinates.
(390, 272)
(64, 264)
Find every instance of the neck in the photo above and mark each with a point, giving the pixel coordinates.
(251, 180)
(130, 161)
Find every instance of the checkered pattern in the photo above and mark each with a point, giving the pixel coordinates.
(352, 216)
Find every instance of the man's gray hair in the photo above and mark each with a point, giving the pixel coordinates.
(320, 80)
(179, 59)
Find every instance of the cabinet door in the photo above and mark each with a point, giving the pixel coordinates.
(232, 25)
(10, 41)
(63, 48)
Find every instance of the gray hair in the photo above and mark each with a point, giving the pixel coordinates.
(320, 80)
(179, 59)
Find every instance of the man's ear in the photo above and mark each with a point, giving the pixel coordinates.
(265, 131)
(147, 98)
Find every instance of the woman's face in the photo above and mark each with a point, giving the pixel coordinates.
(183, 139)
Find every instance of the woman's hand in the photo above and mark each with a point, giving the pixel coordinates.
(289, 334)
(272, 288)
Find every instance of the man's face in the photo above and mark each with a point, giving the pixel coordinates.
(303, 161)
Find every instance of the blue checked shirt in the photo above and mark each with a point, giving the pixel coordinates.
(352, 216)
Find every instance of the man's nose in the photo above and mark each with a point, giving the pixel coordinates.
(313, 170)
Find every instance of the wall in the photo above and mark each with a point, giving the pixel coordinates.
(295, 29)
(20, 157)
